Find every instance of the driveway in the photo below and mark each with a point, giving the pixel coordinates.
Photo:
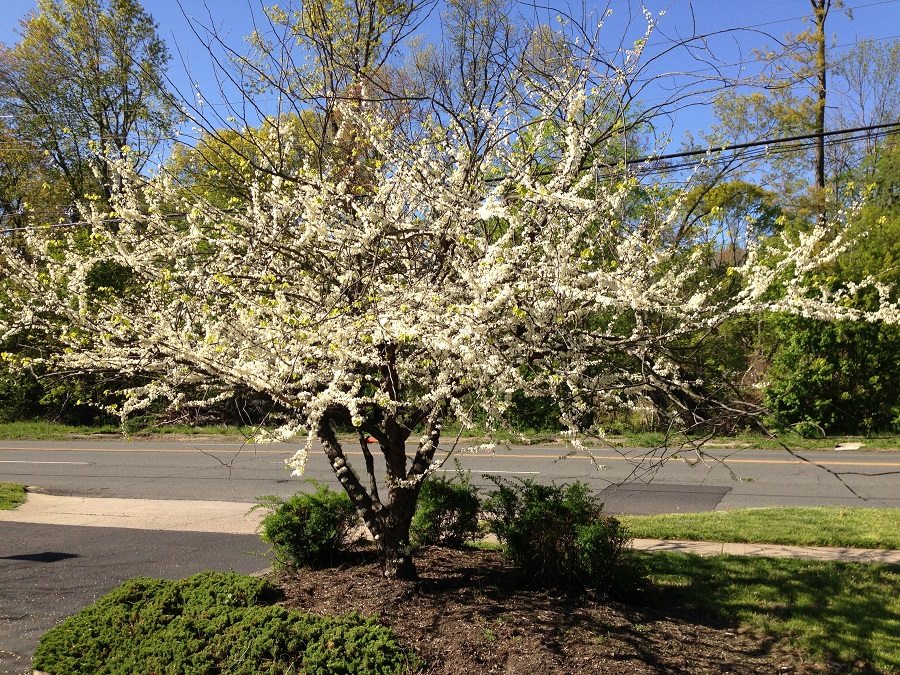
(50, 572)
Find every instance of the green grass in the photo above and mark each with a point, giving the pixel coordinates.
(655, 439)
(625, 439)
(652, 439)
(797, 442)
(847, 612)
(53, 431)
(11, 495)
(48, 430)
(214, 430)
(820, 526)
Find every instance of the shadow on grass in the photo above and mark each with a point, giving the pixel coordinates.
(848, 612)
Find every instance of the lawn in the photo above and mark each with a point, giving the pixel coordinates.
(844, 612)
(11, 495)
(818, 526)
(52, 431)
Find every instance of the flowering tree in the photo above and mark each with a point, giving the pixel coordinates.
(458, 271)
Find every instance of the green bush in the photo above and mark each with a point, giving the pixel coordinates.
(20, 394)
(557, 536)
(834, 377)
(309, 529)
(212, 623)
(604, 557)
(446, 513)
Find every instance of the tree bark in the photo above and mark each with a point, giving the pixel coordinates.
(393, 547)
(388, 523)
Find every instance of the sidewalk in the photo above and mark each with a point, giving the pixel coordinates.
(865, 555)
(143, 514)
(236, 518)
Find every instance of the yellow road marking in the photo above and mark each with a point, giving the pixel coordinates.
(499, 455)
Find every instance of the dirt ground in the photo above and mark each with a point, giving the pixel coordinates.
(468, 615)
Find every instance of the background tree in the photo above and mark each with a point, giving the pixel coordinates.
(790, 98)
(87, 80)
(84, 85)
(29, 185)
(866, 92)
(826, 378)
(832, 378)
(221, 165)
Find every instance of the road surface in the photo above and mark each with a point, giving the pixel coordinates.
(630, 481)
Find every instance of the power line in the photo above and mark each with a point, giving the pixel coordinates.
(764, 152)
(651, 160)
(755, 144)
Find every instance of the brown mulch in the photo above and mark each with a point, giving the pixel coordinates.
(467, 614)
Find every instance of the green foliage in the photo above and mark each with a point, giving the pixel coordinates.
(20, 394)
(308, 529)
(837, 378)
(557, 536)
(533, 413)
(446, 512)
(66, 82)
(604, 557)
(23, 396)
(108, 278)
(844, 377)
(212, 623)
(877, 226)
(222, 165)
(841, 612)
(28, 181)
(11, 495)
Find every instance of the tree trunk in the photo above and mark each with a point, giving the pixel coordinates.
(392, 542)
(389, 522)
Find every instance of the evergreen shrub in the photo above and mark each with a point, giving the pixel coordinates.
(213, 623)
(447, 512)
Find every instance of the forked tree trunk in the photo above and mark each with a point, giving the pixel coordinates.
(387, 521)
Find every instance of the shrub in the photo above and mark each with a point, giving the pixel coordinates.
(309, 529)
(834, 377)
(447, 512)
(604, 557)
(212, 623)
(557, 536)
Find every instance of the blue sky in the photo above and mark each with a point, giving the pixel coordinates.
(879, 19)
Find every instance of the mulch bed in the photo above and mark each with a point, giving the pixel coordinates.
(468, 614)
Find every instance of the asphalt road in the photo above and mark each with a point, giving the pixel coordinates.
(631, 481)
